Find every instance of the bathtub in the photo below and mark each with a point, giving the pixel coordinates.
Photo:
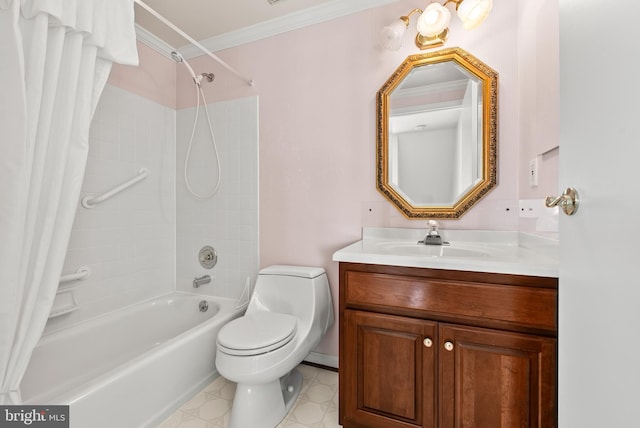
(132, 367)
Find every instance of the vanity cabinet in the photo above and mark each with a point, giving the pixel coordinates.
(445, 349)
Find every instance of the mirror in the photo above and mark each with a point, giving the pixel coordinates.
(436, 136)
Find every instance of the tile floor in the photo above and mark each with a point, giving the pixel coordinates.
(316, 407)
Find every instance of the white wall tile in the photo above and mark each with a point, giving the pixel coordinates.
(144, 242)
(229, 220)
(128, 241)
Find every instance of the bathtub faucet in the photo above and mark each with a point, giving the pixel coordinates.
(201, 280)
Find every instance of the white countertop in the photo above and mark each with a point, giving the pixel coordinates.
(513, 253)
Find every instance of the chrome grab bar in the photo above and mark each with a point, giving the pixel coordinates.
(91, 201)
(81, 274)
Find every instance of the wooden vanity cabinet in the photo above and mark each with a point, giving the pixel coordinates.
(446, 349)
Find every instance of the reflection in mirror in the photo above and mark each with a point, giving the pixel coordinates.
(436, 134)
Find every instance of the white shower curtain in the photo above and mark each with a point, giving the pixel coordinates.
(55, 57)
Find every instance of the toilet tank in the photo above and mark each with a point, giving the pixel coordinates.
(300, 291)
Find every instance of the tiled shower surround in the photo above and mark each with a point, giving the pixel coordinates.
(138, 242)
(228, 221)
(127, 241)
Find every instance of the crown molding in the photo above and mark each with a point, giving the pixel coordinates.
(153, 42)
(293, 21)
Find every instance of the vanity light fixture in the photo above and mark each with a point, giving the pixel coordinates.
(433, 23)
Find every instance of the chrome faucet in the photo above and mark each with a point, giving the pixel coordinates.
(201, 280)
(433, 236)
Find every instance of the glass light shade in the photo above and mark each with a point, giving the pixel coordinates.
(391, 35)
(434, 20)
(473, 12)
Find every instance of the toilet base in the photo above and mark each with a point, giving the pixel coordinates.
(265, 405)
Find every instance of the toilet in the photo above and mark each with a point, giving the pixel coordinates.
(289, 312)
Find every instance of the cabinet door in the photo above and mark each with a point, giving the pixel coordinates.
(388, 371)
(496, 379)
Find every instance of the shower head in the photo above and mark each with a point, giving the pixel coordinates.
(177, 57)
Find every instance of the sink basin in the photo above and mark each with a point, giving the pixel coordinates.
(404, 248)
(470, 250)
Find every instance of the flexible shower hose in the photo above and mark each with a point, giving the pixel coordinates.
(200, 93)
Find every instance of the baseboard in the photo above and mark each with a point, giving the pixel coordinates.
(323, 359)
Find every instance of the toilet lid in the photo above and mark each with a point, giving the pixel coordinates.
(256, 333)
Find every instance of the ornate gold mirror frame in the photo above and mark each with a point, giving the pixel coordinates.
(486, 80)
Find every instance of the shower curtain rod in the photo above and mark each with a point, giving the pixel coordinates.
(192, 41)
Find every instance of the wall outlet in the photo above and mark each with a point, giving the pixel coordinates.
(533, 172)
(530, 208)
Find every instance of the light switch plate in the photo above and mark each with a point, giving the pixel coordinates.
(533, 172)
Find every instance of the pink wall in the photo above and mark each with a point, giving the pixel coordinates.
(316, 89)
(539, 51)
(154, 78)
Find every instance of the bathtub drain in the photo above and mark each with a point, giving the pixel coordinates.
(203, 305)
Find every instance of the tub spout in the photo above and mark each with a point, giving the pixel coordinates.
(201, 280)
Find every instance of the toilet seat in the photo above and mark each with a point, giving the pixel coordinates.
(256, 333)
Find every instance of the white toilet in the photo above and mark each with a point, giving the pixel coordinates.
(289, 312)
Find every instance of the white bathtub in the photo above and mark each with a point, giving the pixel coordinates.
(130, 368)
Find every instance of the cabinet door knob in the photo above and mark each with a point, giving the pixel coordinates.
(427, 342)
(448, 346)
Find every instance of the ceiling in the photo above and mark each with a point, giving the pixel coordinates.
(208, 20)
